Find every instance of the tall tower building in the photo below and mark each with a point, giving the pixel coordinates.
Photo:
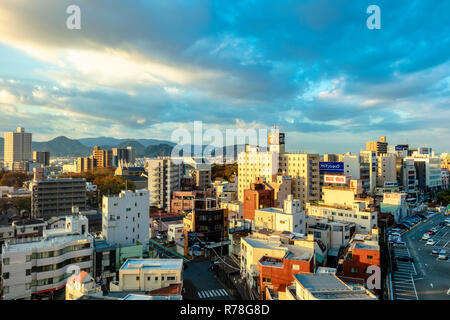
(104, 158)
(380, 146)
(17, 147)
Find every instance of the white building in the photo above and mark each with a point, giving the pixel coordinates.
(352, 166)
(291, 218)
(17, 147)
(164, 176)
(44, 264)
(126, 218)
(428, 170)
(174, 232)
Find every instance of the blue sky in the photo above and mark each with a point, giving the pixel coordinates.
(141, 69)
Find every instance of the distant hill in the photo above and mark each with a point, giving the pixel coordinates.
(62, 146)
(109, 141)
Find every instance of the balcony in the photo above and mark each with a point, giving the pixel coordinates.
(271, 262)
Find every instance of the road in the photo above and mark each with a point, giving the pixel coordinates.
(431, 276)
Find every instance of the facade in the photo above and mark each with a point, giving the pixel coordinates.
(43, 265)
(143, 275)
(257, 197)
(80, 285)
(50, 198)
(380, 146)
(333, 234)
(183, 201)
(386, 169)
(303, 168)
(428, 171)
(291, 218)
(174, 232)
(42, 157)
(368, 160)
(104, 158)
(123, 156)
(86, 164)
(17, 149)
(126, 218)
(164, 176)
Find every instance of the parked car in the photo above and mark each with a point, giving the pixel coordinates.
(399, 244)
(404, 258)
(435, 251)
(396, 230)
(430, 232)
(395, 234)
(402, 226)
(442, 224)
(426, 236)
(431, 242)
(434, 229)
(442, 255)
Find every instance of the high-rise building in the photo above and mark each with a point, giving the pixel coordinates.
(42, 157)
(86, 164)
(379, 146)
(386, 169)
(303, 168)
(17, 148)
(368, 161)
(164, 176)
(104, 158)
(123, 156)
(56, 197)
(126, 218)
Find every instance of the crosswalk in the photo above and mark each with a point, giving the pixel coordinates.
(214, 293)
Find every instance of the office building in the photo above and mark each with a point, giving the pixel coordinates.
(123, 156)
(17, 149)
(368, 161)
(257, 197)
(35, 267)
(56, 197)
(126, 218)
(86, 164)
(41, 157)
(164, 176)
(104, 158)
(386, 169)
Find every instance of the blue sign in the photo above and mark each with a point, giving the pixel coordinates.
(401, 147)
(331, 166)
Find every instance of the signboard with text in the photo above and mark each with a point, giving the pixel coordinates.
(336, 179)
(331, 166)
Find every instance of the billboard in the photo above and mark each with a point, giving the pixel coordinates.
(276, 138)
(331, 166)
(401, 147)
(336, 179)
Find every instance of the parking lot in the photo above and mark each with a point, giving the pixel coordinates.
(428, 277)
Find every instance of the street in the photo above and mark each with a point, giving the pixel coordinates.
(428, 278)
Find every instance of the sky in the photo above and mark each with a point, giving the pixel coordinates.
(142, 69)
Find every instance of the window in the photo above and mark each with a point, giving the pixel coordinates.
(268, 280)
(128, 209)
(156, 278)
(5, 290)
(162, 278)
(28, 286)
(148, 278)
(137, 278)
(295, 267)
(5, 261)
(370, 257)
(170, 278)
(28, 257)
(28, 272)
(6, 275)
(353, 270)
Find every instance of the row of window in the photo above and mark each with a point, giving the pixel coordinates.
(156, 278)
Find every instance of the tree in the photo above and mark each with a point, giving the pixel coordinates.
(443, 197)
(14, 179)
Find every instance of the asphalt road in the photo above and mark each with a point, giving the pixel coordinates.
(432, 278)
(207, 286)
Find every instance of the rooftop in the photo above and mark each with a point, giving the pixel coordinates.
(40, 243)
(169, 264)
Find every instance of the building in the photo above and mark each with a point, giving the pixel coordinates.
(41, 266)
(183, 201)
(395, 203)
(368, 160)
(291, 218)
(144, 275)
(126, 218)
(341, 204)
(303, 168)
(324, 286)
(42, 157)
(175, 232)
(123, 156)
(386, 169)
(27, 229)
(332, 234)
(164, 176)
(80, 285)
(104, 158)
(56, 197)
(428, 171)
(257, 197)
(17, 149)
(380, 146)
(86, 164)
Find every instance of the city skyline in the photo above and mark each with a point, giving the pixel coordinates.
(329, 82)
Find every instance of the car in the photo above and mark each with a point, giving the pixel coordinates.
(435, 251)
(426, 236)
(399, 244)
(402, 226)
(442, 255)
(430, 232)
(431, 242)
(396, 230)
(442, 224)
(395, 234)
(434, 229)
(404, 258)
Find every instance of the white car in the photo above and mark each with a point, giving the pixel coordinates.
(434, 229)
(442, 255)
(431, 242)
(426, 236)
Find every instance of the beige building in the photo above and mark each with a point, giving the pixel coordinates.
(80, 285)
(386, 169)
(303, 168)
(380, 146)
(17, 148)
(148, 274)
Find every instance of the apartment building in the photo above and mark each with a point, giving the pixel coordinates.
(291, 218)
(368, 161)
(380, 146)
(174, 232)
(143, 275)
(386, 169)
(164, 176)
(80, 285)
(341, 204)
(303, 168)
(104, 158)
(126, 218)
(428, 170)
(86, 164)
(17, 149)
(56, 197)
(256, 197)
(123, 156)
(183, 201)
(42, 157)
(44, 264)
